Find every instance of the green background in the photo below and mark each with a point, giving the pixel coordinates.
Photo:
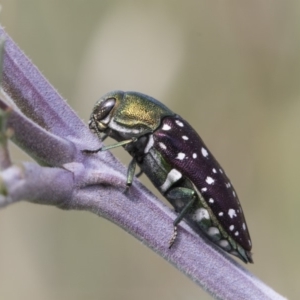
(231, 68)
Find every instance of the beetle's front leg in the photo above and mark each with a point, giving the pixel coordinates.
(185, 195)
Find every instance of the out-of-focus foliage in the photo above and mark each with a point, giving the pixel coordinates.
(231, 69)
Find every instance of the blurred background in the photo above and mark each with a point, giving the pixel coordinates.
(230, 68)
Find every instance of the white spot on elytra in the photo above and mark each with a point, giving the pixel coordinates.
(204, 189)
(179, 123)
(185, 137)
(227, 185)
(244, 226)
(250, 244)
(162, 145)
(214, 170)
(233, 193)
(231, 227)
(180, 156)
(221, 214)
(209, 180)
(194, 155)
(166, 127)
(231, 213)
(211, 200)
(172, 177)
(221, 171)
(201, 214)
(236, 233)
(204, 152)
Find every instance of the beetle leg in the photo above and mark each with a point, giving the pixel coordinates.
(173, 238)
(185, 195)
(130, 172)
(139, 173)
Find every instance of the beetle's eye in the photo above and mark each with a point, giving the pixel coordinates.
(103, 110)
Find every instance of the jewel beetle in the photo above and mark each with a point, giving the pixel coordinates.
(174, 157)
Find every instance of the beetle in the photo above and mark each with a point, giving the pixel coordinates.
(174, 157)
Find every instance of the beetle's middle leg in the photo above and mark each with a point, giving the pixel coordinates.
(130, 172)
(185, 195)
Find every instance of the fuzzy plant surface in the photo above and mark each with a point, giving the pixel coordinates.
(43, 125)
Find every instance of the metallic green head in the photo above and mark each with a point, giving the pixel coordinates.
(131, 114)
